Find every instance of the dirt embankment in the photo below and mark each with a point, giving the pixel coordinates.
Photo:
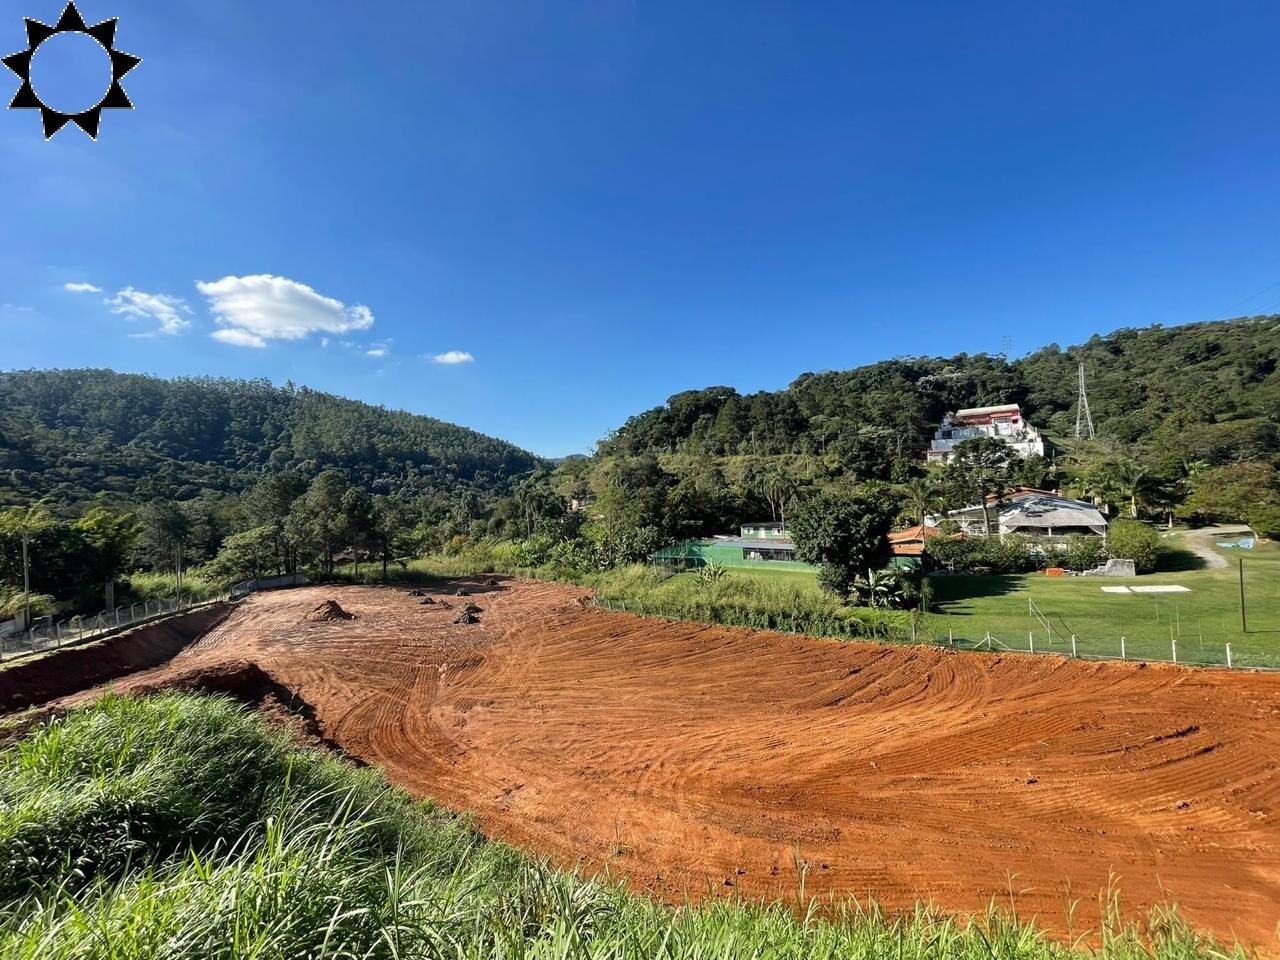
(60, 673)
(695, 760)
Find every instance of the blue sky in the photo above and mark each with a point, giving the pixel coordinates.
(603, 203)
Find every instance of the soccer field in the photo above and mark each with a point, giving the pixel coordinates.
(1202, 620)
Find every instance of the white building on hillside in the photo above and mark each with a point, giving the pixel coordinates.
(1000, 423)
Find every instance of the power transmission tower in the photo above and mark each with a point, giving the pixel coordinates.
(1084, 419)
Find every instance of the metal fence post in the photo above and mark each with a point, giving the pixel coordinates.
(1228, 656)
(1122, 656)
(1073, 645)
(1031, 641)
(1175, 650)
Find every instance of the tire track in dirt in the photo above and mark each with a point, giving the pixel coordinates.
(696, 760)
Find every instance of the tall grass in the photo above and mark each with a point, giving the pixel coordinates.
(178, 827)
(746, 601)
(164, 586)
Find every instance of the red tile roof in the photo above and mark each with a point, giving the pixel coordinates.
(912, 534)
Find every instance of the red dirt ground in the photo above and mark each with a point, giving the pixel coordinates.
(697, 759)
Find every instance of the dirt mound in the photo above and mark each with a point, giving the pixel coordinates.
(427, 601)
(472, 608)
(467, 616)
(329, 611)
(247, 682)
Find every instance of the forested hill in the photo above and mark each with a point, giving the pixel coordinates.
(1206, 391)
(73, 435)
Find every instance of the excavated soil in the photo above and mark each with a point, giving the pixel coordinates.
(328, 611)
(699, 760)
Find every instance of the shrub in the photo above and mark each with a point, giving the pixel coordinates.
(12, 602)
(1084, 553)
(1133, 540)
(954, 554)
(456, 545)
(1010, 555)
(1265, 520)
(712, 572)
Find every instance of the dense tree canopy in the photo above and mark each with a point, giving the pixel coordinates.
(76, 435)
(1207, 391)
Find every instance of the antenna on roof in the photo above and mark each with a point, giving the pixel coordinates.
(1084, 419)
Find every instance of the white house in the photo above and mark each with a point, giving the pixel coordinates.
(1003, 423)
(1033, 513)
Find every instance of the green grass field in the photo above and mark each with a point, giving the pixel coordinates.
(1202, 620)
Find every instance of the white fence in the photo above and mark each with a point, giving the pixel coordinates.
(49, 633)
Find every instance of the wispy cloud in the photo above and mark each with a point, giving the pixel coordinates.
(451, 357)
(81, 288)
(165, 310)
(379, 349)
(238, 338)
(256, 309)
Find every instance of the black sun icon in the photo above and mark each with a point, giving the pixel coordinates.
(70, 22)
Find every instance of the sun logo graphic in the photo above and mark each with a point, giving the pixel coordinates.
(71, 64)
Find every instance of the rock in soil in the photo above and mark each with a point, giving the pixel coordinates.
(467, 617)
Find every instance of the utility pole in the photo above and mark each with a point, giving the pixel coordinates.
(26, 582)
(1084, 419)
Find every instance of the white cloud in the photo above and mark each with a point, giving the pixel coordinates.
(81, 288)
(452, 356)
(379, 349)
(324, 342)
(166, 310)
(255, 309)
(238, 338)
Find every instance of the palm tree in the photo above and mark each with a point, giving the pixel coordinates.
(921, 498)
(1133, 481)
(777, 487)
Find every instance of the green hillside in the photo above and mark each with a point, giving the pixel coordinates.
(77, 435)
(1203, 392)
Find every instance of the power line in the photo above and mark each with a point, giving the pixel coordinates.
(1268, 287)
